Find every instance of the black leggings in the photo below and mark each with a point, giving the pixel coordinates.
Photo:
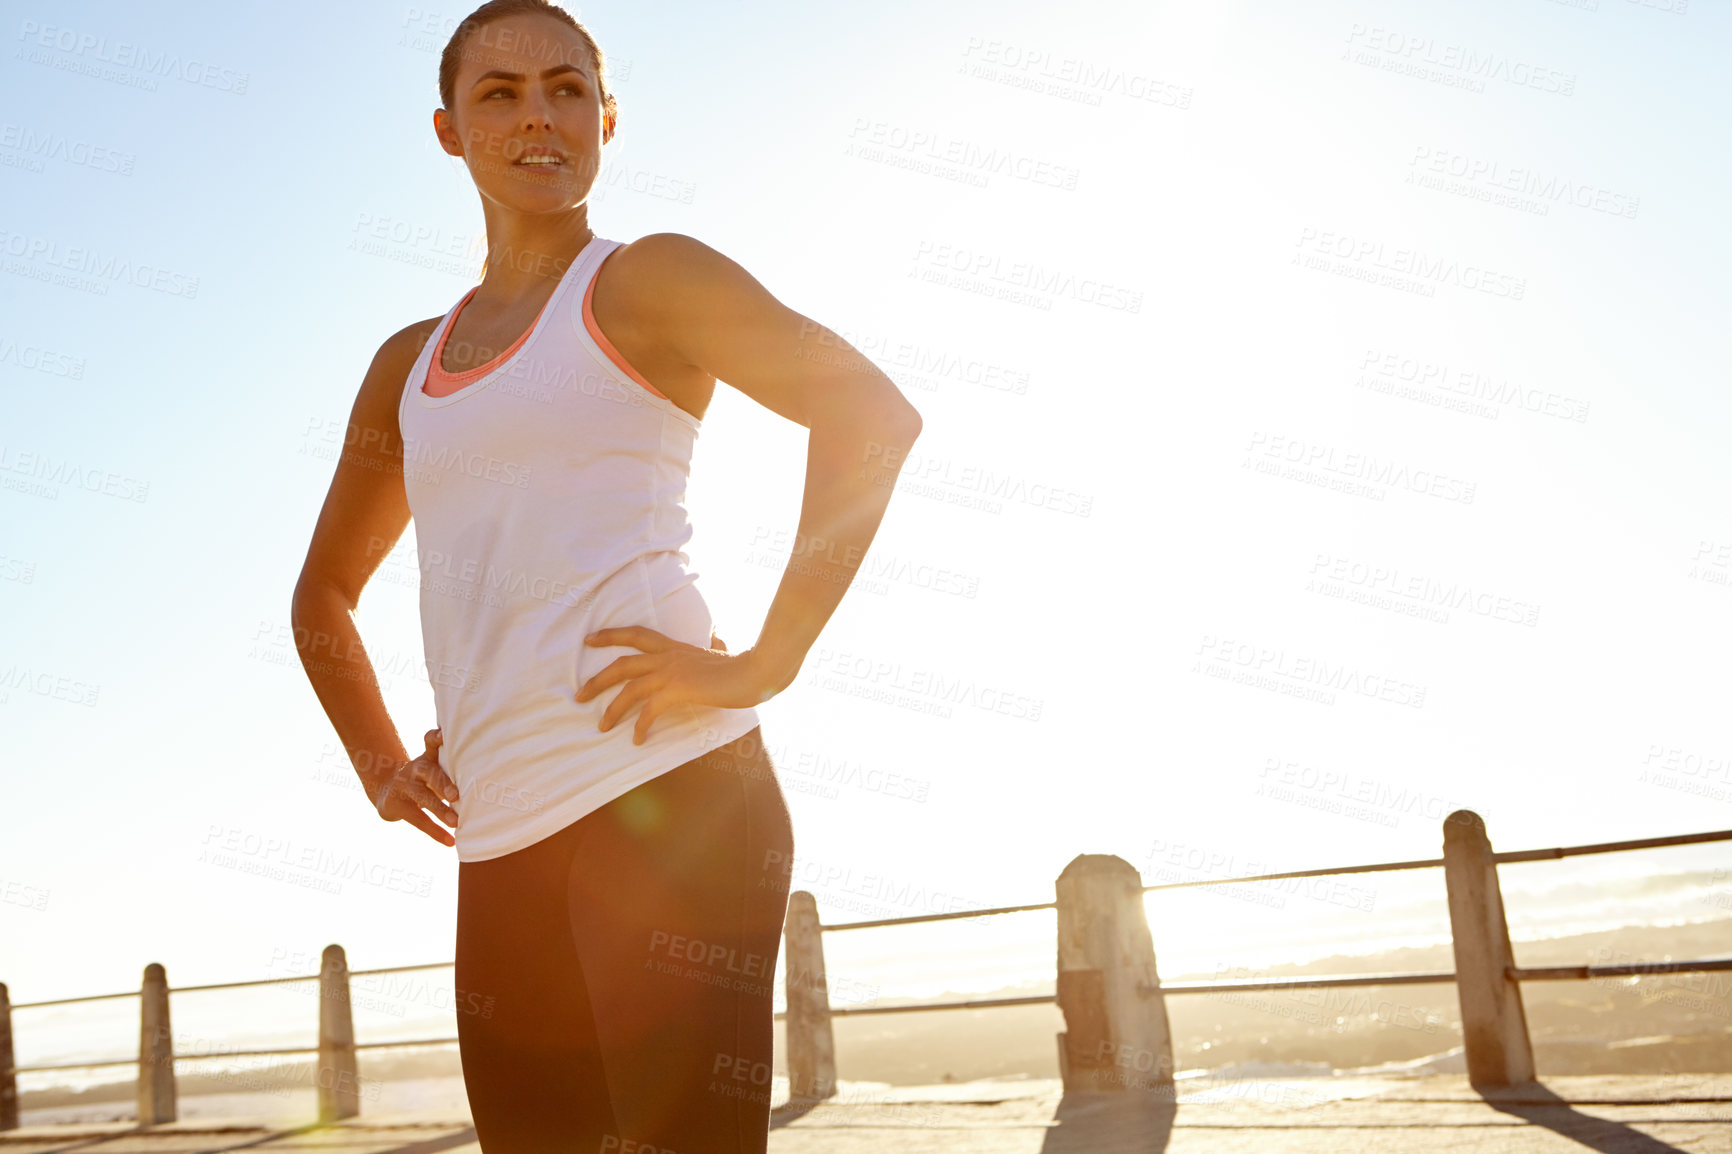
(615, 976)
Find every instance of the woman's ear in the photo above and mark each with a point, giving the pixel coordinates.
(447, 134)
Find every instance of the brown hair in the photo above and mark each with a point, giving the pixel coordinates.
(498, 10)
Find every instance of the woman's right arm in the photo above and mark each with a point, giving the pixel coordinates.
(364, 516)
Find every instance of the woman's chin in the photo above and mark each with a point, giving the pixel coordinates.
(538, 197)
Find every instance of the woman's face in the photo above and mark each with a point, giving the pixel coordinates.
(526, 114)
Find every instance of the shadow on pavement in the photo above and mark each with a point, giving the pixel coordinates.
(133, 1135)
(1533, 1102)
(461, 1137)
(793, 1111)
(1122, 1123)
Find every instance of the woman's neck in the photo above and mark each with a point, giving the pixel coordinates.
(524, 252)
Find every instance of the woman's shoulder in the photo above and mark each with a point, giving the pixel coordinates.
(667, 254)
(408, 341)
(389, 371)
(662, 244)
(663, 269)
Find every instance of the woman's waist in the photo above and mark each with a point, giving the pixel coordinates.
(551, 743)
(508, 627)
(492, 579)
(513, 699)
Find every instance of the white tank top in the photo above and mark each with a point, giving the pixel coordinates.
(547, 496)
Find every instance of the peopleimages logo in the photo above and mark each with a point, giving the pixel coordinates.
(1380, 585)
(41, 360)
(232, 845)
(1460, 388)
(454, 459)
(41, 145)
(1428, 57)
(1365, 258)
(1299, 675)
(43, 684)
(884, 141)
(1073, 77)
(1543, 188)
(87, 47)
(1350, 471)
(877, 679)
(92, 262)
(1025, 277)
(53, 471)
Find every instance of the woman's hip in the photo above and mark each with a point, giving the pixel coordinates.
(719, 817)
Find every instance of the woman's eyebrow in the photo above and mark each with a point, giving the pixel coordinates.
(501, 74)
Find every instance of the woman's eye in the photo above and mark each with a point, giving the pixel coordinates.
(497, 92)
(571, 88)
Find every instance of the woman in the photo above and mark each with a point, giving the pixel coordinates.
(622, 842)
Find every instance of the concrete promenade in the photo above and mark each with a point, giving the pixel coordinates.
(1343, 1115)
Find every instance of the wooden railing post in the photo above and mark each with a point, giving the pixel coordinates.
(1494, 1028)
(156, 1097)
(1116, 1033)
(8, 1070)
(339, 1081)
(811, 1044)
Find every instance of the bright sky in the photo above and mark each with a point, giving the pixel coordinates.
(1244, 333)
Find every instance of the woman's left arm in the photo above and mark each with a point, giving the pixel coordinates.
(709, 312)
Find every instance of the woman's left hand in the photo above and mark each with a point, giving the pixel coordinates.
(669, 673)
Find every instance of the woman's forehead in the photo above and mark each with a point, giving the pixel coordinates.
(526, 45)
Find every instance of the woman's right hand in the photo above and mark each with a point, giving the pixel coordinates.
(416, 785)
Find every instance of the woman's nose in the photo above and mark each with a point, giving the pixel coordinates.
(538, 114)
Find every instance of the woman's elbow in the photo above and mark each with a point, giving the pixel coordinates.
(316, 592)
(893, 413)
(912, 422)
(883, 412)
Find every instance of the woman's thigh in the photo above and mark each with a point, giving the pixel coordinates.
(624, 967)
(677, 896)
(532, 1067)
